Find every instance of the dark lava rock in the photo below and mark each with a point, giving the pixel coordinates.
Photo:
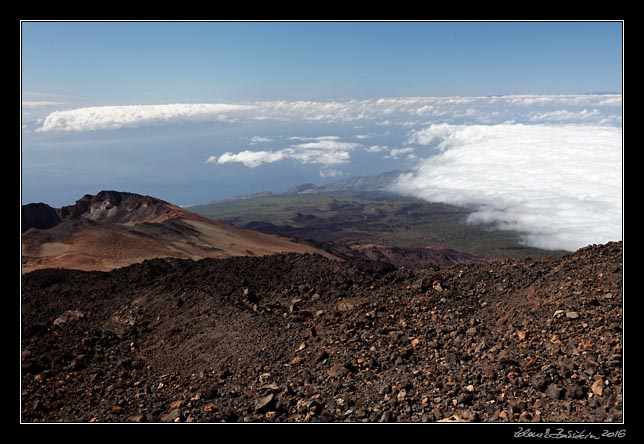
(507, 362)
(575, 391)
(211, 393)
(172, 416)
(264, 404)
(539, 381)
(338, 370)
(553, 391)
(397, 355)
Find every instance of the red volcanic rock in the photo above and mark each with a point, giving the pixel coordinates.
(115, 229)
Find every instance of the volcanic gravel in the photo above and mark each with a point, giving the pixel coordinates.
(294, 338)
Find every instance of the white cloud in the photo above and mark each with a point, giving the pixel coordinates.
(426, 109)
(562, 100)
(111, 117)
(611, 100)
(326, 157)
(560, 185)
(250, 159)
(376, 148)
(40, 104)
(395, 153)
(361, 136)
(328, 144)
(440, 134)
(325, 150)
(330, 172)
(315, 138)
(382, 112)
(564, 115)
(259, 139)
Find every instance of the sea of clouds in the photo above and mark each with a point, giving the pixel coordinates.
(549, 167)
(409, 112)
(560, 185)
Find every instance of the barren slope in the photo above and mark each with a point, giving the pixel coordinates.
(114, 229)
(302, 338)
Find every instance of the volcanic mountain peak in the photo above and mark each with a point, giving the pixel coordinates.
(113, 229)
(106, 206)
(39, 215)
(120, 207)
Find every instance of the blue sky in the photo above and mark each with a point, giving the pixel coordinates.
(167, 62)
(196, 112)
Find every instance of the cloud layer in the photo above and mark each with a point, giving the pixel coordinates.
(560, 185)
(414, 111)
(113, 117)
(548, 166)
(39, 104)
